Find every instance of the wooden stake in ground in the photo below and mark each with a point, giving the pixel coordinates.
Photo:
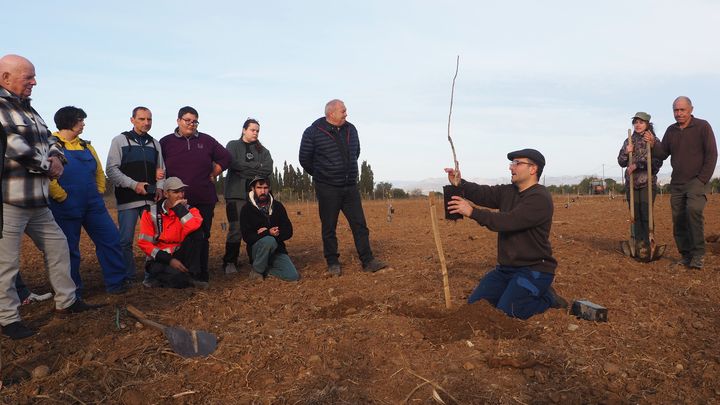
(441, 252)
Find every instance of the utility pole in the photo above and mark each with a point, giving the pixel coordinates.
(603, 178)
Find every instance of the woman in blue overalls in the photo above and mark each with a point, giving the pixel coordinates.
(76, 201)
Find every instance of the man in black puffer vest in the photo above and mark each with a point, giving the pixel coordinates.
(329, 151)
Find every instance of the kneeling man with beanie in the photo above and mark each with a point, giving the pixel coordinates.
(265, 227)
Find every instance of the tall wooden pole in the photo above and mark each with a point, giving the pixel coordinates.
(441, 252)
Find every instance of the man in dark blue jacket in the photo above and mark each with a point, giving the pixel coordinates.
(329, 151)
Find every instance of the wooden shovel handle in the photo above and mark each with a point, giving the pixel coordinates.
(651, 225)
(140, 316)
(631, 186)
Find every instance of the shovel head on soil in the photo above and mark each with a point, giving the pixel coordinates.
(195, 343)
(642, 252)
(650, 253)
(625, 248)
(190, 343)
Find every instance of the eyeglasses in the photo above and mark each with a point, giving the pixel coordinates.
(188, 121)
(516, 162)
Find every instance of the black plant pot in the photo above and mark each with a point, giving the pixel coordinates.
(448, 192)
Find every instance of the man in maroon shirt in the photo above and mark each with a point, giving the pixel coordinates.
(691, 143)
(196, 158)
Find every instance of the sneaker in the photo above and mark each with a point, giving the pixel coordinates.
(373, 265)
(685, 261)
(558, 301)
(36, 298)
(334, 270)
(17, 330)
(230, 268)
(150, 283)
(255, 276)
(77, 307)
(201, 284)
(697, 262)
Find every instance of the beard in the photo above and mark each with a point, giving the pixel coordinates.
(263, 198)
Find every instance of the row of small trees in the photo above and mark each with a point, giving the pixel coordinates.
(296, 184)
(611, 186)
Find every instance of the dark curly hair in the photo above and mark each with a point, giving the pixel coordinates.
(67, 117)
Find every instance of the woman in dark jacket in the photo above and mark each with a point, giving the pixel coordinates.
(642, 138)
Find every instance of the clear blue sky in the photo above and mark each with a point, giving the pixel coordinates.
(560, 76)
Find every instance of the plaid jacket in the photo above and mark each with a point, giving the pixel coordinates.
(24, 180)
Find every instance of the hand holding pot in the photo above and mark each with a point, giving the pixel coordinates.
(459, 205)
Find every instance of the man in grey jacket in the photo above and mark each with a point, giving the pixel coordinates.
(135, 167)
(250, 159)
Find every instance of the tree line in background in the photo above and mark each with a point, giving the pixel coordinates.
(295, 184)
(595, 185)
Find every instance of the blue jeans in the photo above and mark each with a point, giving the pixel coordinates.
(267, 261)
(127, 219)
(520, 292)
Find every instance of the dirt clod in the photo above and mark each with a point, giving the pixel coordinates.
(611, 368)
(40, 371)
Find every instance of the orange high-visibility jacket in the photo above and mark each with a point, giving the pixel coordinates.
(175, 224)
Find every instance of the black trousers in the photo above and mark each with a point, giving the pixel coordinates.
(234, 235)
(332, 200)
(207, 211)
(189, 254)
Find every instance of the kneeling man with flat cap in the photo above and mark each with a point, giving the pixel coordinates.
(520, 284)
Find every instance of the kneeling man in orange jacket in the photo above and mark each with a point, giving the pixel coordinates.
(170, 236)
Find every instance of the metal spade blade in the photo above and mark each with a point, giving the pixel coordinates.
(182, 341)
(190, 343)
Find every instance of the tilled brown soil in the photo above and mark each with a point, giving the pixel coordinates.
(387, 338)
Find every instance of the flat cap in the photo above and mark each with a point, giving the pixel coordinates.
(531, 154)
(643, 116)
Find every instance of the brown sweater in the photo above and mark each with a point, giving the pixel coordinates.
(522, 223)
(693, 151)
